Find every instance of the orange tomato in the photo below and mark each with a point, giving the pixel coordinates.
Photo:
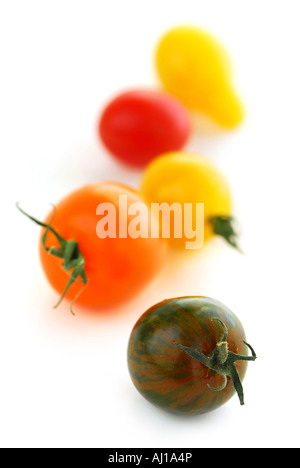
(106, 271)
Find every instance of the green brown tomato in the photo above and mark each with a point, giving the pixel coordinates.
(189, 355)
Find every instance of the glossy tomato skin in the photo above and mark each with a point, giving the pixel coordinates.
(117, 268)
(138, 125)
(164, 374)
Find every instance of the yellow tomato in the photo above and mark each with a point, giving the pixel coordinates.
(193, 66)
(188, 178)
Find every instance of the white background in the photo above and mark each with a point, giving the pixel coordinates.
(64, 380)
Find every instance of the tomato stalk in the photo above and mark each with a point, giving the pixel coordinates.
(69, 252)
(223, 226)
(222, 361)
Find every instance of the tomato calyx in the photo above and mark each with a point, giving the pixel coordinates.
(222, 361)
(69, 252)
(223, 226)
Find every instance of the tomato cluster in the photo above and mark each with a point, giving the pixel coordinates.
(178, 349)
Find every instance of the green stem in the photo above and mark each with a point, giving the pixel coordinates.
(224, 226)
(222, 387)
(68, 250)
(222, 361)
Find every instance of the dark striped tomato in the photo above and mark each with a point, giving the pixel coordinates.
(171, 346)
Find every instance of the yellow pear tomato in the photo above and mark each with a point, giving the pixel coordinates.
(193, 66)
(190, 179)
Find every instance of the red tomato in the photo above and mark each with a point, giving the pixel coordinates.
(138, 125)
(97, 272)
